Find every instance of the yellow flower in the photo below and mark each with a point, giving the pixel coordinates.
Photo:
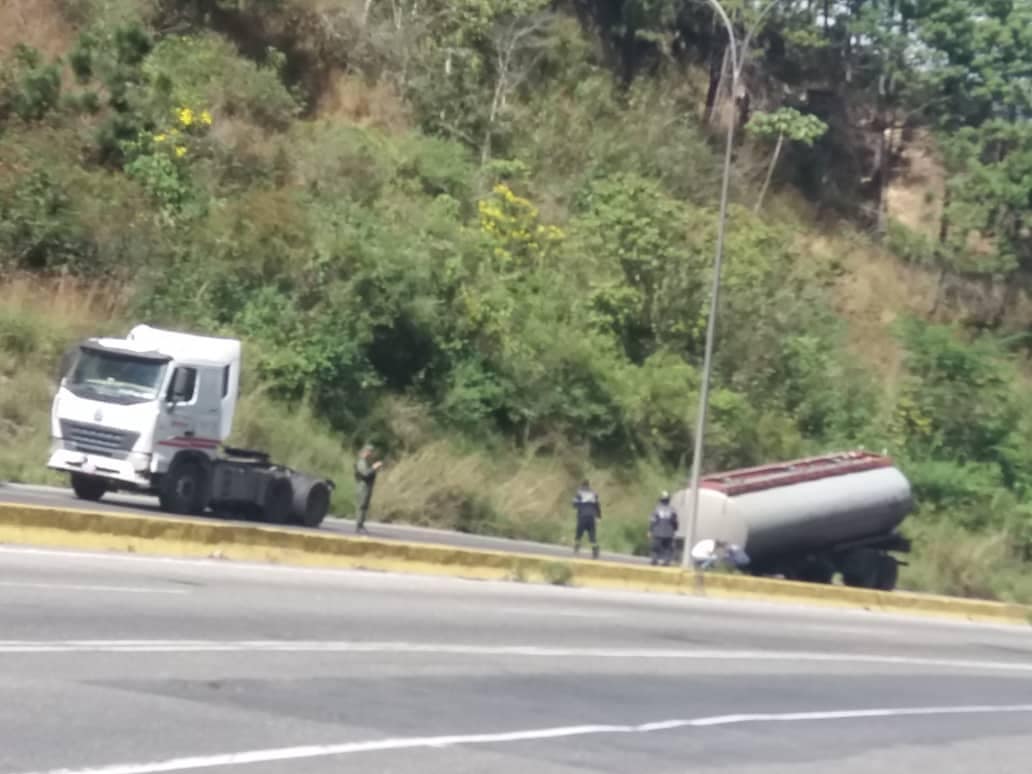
(186, 116)
(159, 138)
(206, 118)
(180, 152)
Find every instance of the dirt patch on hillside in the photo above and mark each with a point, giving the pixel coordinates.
(915, 196)
(36, 23)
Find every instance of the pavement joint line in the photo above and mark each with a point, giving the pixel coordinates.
(270, 755)
(27, 647)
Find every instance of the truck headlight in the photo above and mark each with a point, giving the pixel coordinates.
(140, 461)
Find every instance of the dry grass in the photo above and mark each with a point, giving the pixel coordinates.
(64, 301)
(519, 496)
(950, 560)
(351, 99)
(38, 319)
(36, 23)
(915, 197)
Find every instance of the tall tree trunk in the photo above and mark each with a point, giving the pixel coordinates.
(944, 219)
(944, 234)
(770, 171)
(718, 65)
(881, 181)
(496, 104)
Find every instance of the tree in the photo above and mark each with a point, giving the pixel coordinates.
(518, 42)
(786, 123)
(982, 83)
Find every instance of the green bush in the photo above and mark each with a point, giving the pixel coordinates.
(207, 72)
(29, 87)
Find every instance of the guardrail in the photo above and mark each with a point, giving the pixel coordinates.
(198, 537)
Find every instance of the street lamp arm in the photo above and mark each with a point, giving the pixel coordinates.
(732, 41)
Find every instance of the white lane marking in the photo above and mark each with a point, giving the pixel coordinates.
(437, 742)
(88, 587)
(460, 649)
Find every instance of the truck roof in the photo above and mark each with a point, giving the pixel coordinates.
(744, 480)
(186, 347)
(124, 347)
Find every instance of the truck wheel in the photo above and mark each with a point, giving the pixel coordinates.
(316, 505)
(88, 487)
(888, 572)
(183, 489)
(862, 569)
(813, 571)
(279, 497)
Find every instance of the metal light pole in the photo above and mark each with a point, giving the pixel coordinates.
(700, 423)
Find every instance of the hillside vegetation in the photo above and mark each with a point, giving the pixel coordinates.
(481, 233)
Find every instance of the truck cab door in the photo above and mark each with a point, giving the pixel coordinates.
(209, 403)
(192, 410)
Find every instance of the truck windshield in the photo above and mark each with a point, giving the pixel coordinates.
(115, 377)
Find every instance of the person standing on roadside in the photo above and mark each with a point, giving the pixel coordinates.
(662, 529)
(365, 477)
(589, 510)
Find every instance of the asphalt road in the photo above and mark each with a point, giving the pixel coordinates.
(124, 665)
(128, 503)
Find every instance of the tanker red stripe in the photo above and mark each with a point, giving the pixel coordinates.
(734, 482)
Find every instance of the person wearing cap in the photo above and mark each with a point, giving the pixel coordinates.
(662, 529)
(589, 510)
(365, 477)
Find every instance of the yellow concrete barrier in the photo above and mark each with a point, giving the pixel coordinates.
(198, 537)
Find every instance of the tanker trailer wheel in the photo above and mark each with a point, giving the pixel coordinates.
(88, 488)
(312, 504)
(888, 572)
(279, 496)
(184, 488)
(862, 568)
(813, 570)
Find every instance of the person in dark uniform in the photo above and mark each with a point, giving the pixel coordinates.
(365, 477)
(662, 529)
(589, 510)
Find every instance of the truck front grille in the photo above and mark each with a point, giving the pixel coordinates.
(94, 439)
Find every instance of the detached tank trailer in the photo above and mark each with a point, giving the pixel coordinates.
(809, 519)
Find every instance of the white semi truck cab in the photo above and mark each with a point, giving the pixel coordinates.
(151, 412)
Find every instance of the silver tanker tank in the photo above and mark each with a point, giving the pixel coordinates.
(801, 508)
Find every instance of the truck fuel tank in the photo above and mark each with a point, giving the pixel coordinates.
(799, 506)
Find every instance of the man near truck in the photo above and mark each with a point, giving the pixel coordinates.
(589, 510)
(365, 477)
(662, 528)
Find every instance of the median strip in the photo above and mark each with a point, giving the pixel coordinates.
(194, 537)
